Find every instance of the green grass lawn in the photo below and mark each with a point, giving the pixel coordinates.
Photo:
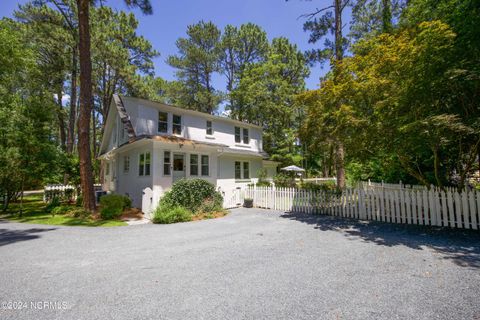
(34, 212)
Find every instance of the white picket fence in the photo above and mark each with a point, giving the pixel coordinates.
(402, 205)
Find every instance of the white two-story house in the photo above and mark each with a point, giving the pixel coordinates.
(151, 145)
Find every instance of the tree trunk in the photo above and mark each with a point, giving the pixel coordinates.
(386, 16)
(340, 152)
(61, 120)
(86, 177)
(73, 104)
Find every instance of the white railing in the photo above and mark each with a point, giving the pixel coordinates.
(408, 205)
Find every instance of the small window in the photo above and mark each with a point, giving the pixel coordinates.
(162, 122)
(238, 170)
(246, 140)
(107, 169)
(147, 163)
(205, 169)
(126, 164)
(177, 124)
(194, 165)
(144, 164)
(166, 163)
(237, 135)
(141, 165)
(209, 128)
(246, 170)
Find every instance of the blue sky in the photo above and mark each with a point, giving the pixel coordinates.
(171, 18)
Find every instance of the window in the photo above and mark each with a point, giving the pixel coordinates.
(237, 135)
(162, 122)
(194, 165)
(245, 136)
(209, 128)
(126, 164)
(177, 124)
(238, 170)
(205, 166)
(242, 170)
(107, 169)
(166, 163)
(246, 170)
(144, 164)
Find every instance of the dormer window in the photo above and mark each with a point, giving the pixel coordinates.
(209, 128)
(162, 122)
(246, 139)
(177, 124)
(238, 137)
(241, 135)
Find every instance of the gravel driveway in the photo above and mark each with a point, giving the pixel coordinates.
(252, 264)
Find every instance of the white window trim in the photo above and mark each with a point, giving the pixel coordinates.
(190, 165)
(242, 173)
(201, 166)
(158, 122)
(144, 163)
(170, 163)
(181, 125)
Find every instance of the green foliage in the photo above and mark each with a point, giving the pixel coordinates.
(27, 151)
(166, 214)
(190, 194)
(266, 96)
(79, 201)
(324, 186)
(284, 180)
(55, 202)
(197, 59)
(112, 205)
(60, 210)
(210, 205)
(78, 213)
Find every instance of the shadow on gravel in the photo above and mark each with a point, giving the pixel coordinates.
(460, 246)
(8, 236)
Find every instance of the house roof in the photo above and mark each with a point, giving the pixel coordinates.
(225, 149)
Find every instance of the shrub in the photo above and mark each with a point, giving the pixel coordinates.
(79, 201)
(55, 202)
(78, 213)
(263, 184)
(209, 205)
(190, 194)
(284, 180)
(170, 214)
(325, 186)
(112, 205)
(60, 210)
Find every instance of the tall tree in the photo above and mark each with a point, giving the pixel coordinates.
(267, 91)
(86, 98)
(240, 47)
(196, 61)
(27, 111)
(119, 57)
(320, 23)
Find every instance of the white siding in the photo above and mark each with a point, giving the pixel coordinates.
(144, 119)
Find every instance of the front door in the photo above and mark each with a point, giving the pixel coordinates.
(178, 166)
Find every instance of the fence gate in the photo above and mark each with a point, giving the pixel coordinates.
(233, 198)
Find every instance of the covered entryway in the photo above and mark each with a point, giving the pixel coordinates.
(178, 166)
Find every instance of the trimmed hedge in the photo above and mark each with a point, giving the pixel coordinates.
(112, 205)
